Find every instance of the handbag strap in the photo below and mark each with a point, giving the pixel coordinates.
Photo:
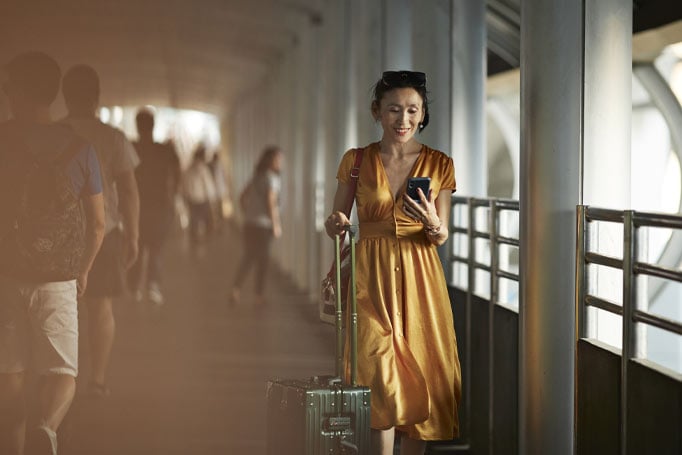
(353, 183)
(353, 186)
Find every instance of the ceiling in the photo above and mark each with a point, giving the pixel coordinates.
(503, 22)
(194, 54)
(202, 54)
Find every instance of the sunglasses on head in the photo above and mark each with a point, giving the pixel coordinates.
(404, 78)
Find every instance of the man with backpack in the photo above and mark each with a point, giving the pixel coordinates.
(51, 227)
(118, 159)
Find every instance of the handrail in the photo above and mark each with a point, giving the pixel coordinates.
(631, 267)
(495, 207)
(663, 220)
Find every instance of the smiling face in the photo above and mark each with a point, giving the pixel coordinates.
(400, 112)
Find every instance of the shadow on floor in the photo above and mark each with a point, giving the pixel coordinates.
(189, 378)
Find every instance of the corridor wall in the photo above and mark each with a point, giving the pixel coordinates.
(316, 105)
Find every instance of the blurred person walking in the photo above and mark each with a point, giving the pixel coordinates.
(118, 159)
(221, 193)
(49, 180)
(158, 180)
(260, 202)
(198, 189)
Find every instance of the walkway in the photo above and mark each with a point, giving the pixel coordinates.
(190, 379)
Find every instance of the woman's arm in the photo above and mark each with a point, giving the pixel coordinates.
(437, 230)
(273, 211)
(335, 223)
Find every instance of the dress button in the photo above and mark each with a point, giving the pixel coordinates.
(397, 269)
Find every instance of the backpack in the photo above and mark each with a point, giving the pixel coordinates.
(46, 235)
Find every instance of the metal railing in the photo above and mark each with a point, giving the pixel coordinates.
(495, 207)
(631, 266)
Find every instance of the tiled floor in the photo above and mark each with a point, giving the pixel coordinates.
(190, 379)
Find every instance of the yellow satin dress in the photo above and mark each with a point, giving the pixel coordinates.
(407, 350)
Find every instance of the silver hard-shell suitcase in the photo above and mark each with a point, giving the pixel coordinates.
(322, 415)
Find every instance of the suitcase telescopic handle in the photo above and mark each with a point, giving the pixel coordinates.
(353, 308)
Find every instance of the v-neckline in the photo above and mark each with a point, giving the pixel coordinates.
(394, 196)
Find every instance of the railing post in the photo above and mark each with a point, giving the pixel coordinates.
(580, 293)
(629, 298)
(471, 285)
(582, 241)
(493, 220)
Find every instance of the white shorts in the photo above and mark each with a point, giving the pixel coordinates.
(38, 327)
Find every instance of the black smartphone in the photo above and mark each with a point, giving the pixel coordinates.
(418, 182)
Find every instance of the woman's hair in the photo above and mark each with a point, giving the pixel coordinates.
(265, 160)
(403, 79)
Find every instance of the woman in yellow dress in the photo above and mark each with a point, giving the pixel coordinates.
(407, 351)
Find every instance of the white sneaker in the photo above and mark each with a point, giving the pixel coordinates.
(154, 294)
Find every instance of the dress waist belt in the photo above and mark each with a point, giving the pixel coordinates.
(392, 230)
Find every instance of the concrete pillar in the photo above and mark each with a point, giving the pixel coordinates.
(431, 29)
(468, 96)
(315, 182)
(289, 111)
(349, 54)
(367, 21)
(608, 103)
(607, 138)
(467, 76)
(551, 147)
(563, 68)
(333, 114)
(397, 34)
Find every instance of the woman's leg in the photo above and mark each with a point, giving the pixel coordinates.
(382, 441)
(262, 258)
(246, 261)
(410, 446)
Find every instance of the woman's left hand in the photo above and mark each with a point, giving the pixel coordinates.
(423, 211)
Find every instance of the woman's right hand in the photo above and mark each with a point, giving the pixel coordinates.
(336, 223)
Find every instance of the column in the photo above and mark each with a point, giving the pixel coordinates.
(606, 153)
(367, 20)
(397, 34)
(431, 30)
(565, 70)
(468, 97)
(551, 146)
(608, 103)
